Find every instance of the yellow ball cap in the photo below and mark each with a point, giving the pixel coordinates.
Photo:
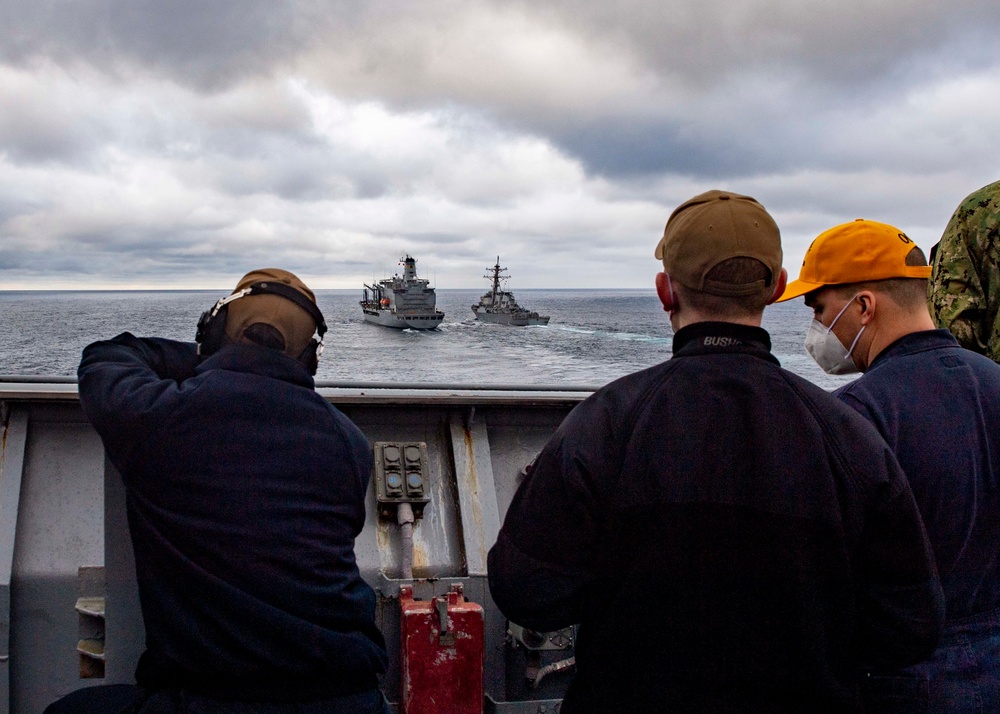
(857, 252)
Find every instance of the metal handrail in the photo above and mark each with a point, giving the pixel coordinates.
(37, 379)
(453, 386)
(341, 384)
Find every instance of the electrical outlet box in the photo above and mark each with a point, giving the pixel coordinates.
(402, 475)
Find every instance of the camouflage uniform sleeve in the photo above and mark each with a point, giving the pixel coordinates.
(964, 290)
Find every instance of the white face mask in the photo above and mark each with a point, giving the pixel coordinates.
(826, 349)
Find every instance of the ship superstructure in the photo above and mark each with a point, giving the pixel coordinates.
(402, 301)
(499, 307)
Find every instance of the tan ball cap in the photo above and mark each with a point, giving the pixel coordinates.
(716, 226)
(295, 324)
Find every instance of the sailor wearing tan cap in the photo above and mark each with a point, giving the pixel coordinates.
(728, 535)
(245, 493)
(938, 407)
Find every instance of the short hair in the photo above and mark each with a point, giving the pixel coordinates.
(733, 271)
(908, 293)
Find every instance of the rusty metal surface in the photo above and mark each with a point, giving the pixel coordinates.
(442, 652)
(72, 506)
(476, 491)
(59, 529)
(437, 548)
(13, 437)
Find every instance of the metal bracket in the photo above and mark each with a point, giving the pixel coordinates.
(540, 641)
(446, 636)
(541, 706)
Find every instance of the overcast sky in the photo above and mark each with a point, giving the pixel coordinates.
(180, 144)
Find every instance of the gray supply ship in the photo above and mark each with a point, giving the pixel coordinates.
(499, 307)
(402, 302)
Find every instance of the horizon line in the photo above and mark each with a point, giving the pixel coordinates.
(161, 289)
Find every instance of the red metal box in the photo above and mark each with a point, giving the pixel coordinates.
(442, 653)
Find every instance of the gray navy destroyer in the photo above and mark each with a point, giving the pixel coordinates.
(499, 307)
(402, 301)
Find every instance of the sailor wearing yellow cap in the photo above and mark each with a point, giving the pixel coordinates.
(938, 407)
(875, 261)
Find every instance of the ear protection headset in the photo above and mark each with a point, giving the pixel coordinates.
(211, 332)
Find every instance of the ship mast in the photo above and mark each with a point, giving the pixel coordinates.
(494, 278)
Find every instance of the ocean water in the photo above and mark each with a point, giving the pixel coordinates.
(593, 337)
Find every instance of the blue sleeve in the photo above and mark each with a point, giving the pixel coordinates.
(128, 384)
(900, 599)
(543, 562)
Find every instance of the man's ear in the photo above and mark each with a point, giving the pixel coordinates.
(779, 287)
(868, 301)
(665, 291)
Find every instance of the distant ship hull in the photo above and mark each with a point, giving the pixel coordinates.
(516, 319)
(404, 302)
(387, 318)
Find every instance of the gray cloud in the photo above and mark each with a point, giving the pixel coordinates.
(207, 44)
(851, 42)
(175, 143)
(624, 87)
(704, 88)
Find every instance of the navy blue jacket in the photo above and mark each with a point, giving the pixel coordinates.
(938, 407)
(729, 536)
(245, 492)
